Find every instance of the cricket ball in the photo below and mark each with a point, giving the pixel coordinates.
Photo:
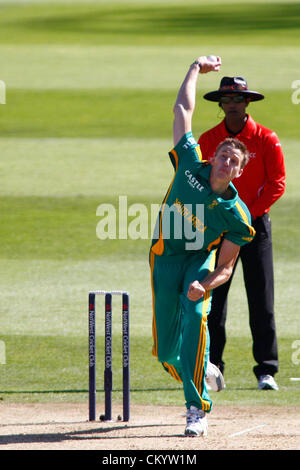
(212, 58)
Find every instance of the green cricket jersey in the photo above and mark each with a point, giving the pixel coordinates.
(192, 217)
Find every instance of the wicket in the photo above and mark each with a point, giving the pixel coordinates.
(108, 375)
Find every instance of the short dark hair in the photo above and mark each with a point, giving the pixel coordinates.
(237, 145)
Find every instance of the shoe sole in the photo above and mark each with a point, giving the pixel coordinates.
(267, 387)
(195, 434)
(219, 381)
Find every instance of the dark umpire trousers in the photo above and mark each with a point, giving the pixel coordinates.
(257, 263)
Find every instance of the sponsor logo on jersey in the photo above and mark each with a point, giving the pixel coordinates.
(193, 182)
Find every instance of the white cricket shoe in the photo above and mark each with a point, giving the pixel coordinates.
(214, 378)
(267, 382)
(196, 424)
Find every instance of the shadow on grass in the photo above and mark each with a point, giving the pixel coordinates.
(158, 389)
(86, 434)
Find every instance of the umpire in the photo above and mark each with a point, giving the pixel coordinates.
(260, 185)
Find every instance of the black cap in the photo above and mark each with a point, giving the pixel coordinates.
(233, 85)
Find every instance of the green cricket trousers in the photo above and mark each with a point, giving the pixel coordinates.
(180, 333)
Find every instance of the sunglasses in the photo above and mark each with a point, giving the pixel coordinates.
(235, 99)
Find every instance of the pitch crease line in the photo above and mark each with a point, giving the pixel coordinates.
(247, 430)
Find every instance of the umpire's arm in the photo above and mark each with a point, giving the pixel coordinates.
(227, 257)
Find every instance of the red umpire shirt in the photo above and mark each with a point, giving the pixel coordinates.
(263, 179)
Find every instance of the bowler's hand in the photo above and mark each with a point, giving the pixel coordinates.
(209, 65)
(196, 291)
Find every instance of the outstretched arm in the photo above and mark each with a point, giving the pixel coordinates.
(227, 257)
(186, 98)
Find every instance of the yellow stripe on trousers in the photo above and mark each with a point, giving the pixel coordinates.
(199, 366)
(154, 330)
(172, 371)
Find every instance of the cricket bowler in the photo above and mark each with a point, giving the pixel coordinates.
(201, 212)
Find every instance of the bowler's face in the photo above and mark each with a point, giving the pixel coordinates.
(227, 164)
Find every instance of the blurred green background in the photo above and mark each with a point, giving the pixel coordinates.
(90, 87)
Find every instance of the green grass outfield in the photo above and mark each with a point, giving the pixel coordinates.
(88, 118)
